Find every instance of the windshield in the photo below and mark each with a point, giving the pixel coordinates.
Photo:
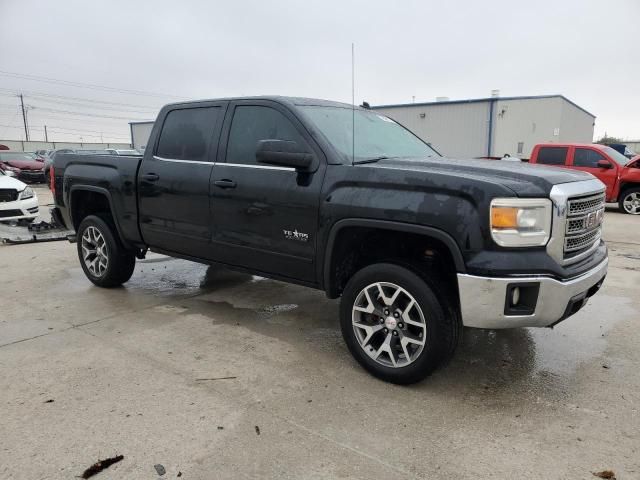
(617, 156)
(376, 136)
(28, 157)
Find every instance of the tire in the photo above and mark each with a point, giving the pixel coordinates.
(630, 201)
(107, 264)
(369, 323)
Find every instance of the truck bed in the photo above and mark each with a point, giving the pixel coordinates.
(112, 175)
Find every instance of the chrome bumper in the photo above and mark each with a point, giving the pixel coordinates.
(483, 299)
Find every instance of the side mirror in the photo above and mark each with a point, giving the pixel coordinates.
(604, 164)
(283, 153)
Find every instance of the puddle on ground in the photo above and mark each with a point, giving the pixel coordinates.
(529, 360)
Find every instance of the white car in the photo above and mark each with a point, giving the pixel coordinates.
(18, 201)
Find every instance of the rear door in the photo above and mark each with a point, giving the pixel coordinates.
(265, 217)
(586, 159)
(174, 180)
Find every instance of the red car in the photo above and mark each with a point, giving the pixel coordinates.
(26, 166)
(620, 174)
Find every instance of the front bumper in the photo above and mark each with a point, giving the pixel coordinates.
(19, 209)
(32, 176)
(484, 301)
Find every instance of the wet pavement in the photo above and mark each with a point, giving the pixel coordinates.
(181, 365)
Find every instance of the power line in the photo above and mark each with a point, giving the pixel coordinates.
(105, 88)
(89, 100)
(81, 105)
(84, 114)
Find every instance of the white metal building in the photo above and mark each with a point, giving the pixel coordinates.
(140, 132)
(496, 125)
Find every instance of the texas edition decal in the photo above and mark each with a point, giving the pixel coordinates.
(296, 235)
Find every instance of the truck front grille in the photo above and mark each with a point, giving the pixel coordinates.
(583, 228)
(8, 195)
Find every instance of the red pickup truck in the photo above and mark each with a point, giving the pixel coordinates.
(620, 174)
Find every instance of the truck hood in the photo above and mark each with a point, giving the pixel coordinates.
(523, 179)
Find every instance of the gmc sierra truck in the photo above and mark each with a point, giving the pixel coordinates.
(346, 200)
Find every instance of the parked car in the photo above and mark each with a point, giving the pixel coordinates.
(620, 174)
(415, 245)
(48, 161)
(623, 149)
(26, 166)
(18, 201)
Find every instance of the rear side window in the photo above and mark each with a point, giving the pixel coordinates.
(552, 155)
(585, 157)
(250, 125)
(186, 134)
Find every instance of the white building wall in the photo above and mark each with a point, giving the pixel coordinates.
(454, 129)
(633, 145)
(575, 124)
(140, 133)
(526, 121)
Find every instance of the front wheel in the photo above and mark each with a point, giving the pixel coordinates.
(396, 325)
(103, 258)
(630, 201)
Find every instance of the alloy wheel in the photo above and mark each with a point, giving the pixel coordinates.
(389, 324)
(631, 203)
(94, 251)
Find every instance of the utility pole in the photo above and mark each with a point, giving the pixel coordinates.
(46, 137)
(24, 118)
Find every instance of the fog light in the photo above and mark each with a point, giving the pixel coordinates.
(521, 298)
(515, 296)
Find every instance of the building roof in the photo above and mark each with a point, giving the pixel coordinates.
(479, 100)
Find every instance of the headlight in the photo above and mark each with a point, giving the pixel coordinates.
(521, 222)
(26, 193)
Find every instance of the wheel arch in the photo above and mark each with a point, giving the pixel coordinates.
(329, 283)
(75, 193)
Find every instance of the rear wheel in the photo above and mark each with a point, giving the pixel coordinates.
(395, 324)
(103, 258)
(630, 201)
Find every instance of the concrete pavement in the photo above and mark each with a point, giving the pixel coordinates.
(88, 373)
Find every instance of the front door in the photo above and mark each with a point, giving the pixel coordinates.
(586, 159)
(265, 217)
(174, 181)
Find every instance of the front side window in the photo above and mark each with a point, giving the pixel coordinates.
(186, 133)
(362, 135)
(585, 157)
(552, 155)
(254, 123)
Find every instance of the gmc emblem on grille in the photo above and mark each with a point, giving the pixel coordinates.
(594, 219)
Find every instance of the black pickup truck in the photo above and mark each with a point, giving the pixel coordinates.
(345, 200)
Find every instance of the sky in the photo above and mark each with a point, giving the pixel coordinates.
(87, 68)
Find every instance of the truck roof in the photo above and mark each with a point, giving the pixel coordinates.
(291, 101)
(572, 144)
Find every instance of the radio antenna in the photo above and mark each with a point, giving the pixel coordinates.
(353, 105)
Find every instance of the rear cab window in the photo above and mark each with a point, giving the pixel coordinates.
(552, 155)
(186, 134)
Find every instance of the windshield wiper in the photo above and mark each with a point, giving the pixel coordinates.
(370, 160)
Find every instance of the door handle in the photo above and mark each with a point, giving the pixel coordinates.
(225, 183)
(150, 177)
